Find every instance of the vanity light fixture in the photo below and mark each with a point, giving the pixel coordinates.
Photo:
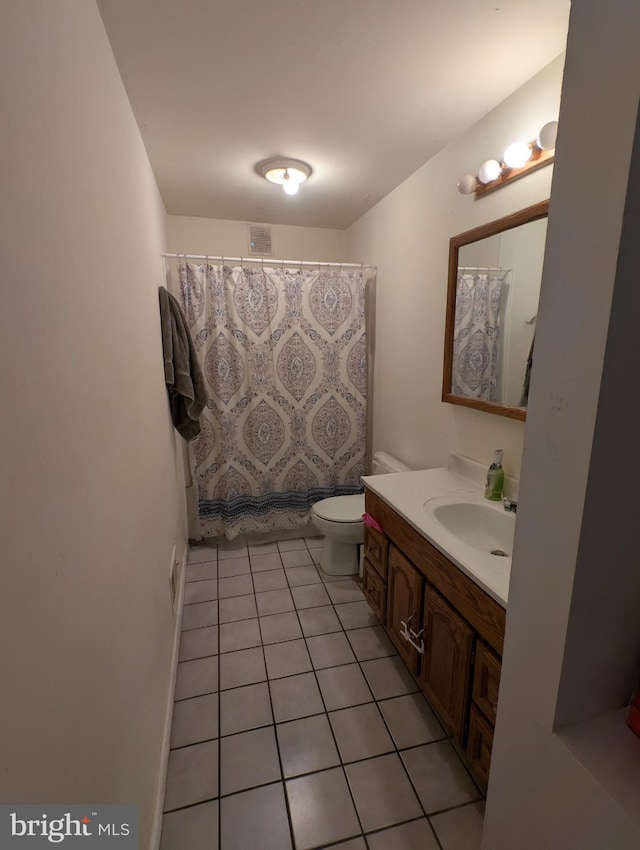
(518, 159)
(517, 154)
(288, 173)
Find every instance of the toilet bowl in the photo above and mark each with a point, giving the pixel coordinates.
(339, 520)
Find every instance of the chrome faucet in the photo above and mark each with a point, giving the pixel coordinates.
(510, 505)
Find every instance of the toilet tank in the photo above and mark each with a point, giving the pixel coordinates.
(383, 462)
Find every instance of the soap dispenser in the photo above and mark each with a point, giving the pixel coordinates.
(495, 478)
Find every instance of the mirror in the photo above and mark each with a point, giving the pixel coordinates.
(492, 301)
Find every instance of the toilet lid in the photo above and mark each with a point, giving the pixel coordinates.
(341, 508)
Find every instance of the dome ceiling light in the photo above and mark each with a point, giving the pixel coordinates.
(288, 173)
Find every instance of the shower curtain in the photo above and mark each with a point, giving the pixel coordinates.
(477, 342)
(283, 352)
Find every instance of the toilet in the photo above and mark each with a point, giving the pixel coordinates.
(339, 519)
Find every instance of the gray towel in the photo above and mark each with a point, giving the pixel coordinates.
(182, 373)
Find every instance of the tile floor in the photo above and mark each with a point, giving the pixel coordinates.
(296, 725)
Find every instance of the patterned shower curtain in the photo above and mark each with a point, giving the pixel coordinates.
(283, 353)
(477, 340)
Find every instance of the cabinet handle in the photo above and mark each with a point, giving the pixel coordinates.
(420, 648)
(410, 635)
(408, 623)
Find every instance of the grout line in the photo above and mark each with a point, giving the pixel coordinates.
(199, 580)
(274, 724)
(219, 724)
(275, 735)
(397, 750)
(335, 742)
(403, 823)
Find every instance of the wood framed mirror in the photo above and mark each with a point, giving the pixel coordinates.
(495, 272)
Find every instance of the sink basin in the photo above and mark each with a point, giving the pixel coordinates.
(485, 527)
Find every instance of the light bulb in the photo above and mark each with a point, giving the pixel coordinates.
(291, 180)
(467, 184)
(489, 171)
(547, 136)
(517, 154)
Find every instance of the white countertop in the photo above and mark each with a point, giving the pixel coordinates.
(407, 493)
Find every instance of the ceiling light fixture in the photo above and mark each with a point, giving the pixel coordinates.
(519, 159)
(288, 173)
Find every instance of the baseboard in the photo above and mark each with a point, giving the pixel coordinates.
(156, 827)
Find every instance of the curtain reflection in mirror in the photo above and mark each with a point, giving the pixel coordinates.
(478, 353)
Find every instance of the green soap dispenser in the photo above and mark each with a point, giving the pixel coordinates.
(495, 478)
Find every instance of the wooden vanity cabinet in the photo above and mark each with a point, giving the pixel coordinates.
(458, 630)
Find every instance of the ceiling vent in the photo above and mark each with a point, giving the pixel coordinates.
(260, 240)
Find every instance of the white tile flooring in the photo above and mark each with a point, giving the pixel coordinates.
(296, 725)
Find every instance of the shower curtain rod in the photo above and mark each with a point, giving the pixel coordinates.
(480, 268)
(264, 262)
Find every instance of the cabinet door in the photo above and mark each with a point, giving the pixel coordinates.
(479, 747)
(486, 681)
(404, 604)
(446, 663)
(375, 591)
(376, 547)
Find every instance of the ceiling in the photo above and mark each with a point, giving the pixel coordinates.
(365, 91)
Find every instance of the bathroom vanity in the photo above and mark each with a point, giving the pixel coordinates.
(442, 602)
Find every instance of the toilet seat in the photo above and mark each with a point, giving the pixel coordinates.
(343, 509)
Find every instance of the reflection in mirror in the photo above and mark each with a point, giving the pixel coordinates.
(492, 302)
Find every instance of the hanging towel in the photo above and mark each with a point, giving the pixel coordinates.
(182, 374)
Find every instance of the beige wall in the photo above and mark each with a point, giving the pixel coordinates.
(231, 238)
(407, 236)
(565, 769)
(91, 487)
